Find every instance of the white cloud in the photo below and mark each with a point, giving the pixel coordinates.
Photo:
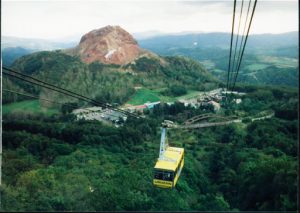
(55, 19)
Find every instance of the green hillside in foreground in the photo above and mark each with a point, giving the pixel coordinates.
(107, 83)
(54, 163)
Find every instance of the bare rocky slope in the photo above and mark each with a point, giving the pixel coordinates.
(108, 45)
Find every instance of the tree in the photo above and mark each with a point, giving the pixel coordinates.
(68, 107)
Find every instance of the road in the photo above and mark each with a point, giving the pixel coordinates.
(209, 124)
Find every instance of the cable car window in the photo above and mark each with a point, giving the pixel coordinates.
(158, 174)
(168, 176)
(164, 175)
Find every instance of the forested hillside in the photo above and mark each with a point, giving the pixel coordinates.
(105, 82)
(53, 163)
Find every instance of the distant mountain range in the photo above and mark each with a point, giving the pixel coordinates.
(165, 40)
(220, 40)
(268, 59)
(267, 56)
(10, 54)
(34, 43)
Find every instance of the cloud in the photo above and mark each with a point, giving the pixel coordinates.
(54, 19)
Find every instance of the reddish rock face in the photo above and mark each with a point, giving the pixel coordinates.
(109, 45)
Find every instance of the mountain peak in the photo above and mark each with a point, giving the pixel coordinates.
(109, 30)
(109, 45)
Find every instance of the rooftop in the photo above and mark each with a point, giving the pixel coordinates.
(173, 153)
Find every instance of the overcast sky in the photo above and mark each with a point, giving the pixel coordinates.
(58, 19)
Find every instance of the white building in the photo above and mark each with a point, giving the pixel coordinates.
(238, 100)
(216, 105)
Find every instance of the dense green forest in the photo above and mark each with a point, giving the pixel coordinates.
(53, 163)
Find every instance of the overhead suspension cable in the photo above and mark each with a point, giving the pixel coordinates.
(62, 92)
(243, 37)
(236, 44)
(49, 86)
(36, 97)
(239, 63)
(232, 30)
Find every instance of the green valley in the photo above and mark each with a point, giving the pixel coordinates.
(90, 134)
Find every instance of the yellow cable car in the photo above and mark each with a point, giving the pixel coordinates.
(169, 164)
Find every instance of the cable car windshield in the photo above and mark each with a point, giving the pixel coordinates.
(163, 175)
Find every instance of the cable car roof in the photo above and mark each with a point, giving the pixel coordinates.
(172, 153)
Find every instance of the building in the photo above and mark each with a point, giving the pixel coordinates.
(238, 101)
(233, 92)
(216, 105)
(140, 108)
(96, 113)
(151, 105)
(86, 110)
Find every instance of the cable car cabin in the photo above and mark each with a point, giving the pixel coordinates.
(168, 167)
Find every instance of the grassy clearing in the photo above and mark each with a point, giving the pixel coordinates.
(142, 96)
(28, 106)
(190, 94)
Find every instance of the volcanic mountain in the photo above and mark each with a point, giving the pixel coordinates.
(73, 69)
(108, 45)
